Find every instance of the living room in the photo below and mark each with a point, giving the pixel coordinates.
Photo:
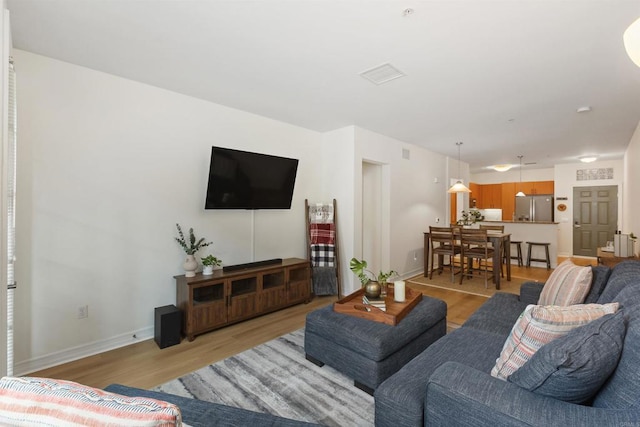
(108, 165)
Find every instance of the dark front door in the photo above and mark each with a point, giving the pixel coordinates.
(595, 218)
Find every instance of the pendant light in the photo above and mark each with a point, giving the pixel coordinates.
(631, 40)
(458, 187)
(520, 193)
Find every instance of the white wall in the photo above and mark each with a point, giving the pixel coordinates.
(337, 179)
(513, 175)
(5, 174)
(565, 181)
(415, 199)
(631, 188)
(107, 166)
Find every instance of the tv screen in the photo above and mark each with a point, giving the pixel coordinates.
(245, 180)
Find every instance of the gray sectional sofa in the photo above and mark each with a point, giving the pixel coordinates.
(198, 413)
(449, 383)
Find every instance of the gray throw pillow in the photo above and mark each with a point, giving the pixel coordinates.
(574, 367)
(600, 276)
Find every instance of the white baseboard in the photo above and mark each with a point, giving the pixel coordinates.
(412, 273)
(79, 352)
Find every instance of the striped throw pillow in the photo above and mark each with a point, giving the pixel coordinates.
(30, 401)
(539, 325)
(568, 284)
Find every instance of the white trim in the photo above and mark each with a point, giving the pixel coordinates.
(79, 352)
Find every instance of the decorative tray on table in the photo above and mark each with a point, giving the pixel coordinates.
(395, 311)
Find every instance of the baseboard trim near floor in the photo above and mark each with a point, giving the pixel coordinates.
(75, 353)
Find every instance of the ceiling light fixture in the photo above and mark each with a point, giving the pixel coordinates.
(501, 168)
(631, 40)
(458, 187)
(584, 109)
(520, 193)
(588, 159)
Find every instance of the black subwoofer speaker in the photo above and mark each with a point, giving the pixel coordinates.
(168, 323)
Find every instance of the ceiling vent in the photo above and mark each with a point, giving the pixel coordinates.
(382, 74)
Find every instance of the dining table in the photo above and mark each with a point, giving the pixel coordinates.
(499, 241)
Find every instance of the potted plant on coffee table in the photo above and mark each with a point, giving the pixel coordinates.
(190, 247)
(371, 283)
(209, 263)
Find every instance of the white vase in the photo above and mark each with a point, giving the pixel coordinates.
(190, 265)
(207, 270)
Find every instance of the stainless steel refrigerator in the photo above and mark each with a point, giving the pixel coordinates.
(534, 208)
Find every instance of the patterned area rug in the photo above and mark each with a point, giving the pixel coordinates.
(474, 286)
(276, 378)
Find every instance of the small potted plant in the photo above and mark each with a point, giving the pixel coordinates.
(470, 217)
(371, 283)
(208, 264)
(190, 247)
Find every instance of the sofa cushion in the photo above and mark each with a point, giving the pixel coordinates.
(623, 274)
(600, 275)
(540, 325)
(574, 367)
(399, 400)
(568, 284)
(497, 315)
(48, 402)
(622, 389)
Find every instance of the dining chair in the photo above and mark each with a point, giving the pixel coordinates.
(500, 229)
(443, 243)
(475, 245)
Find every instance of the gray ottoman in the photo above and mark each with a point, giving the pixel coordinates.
(368, 351)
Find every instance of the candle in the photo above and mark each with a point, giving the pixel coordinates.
(398, 290)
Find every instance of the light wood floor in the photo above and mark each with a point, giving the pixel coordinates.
(144, 365)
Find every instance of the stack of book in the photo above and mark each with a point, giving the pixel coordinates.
(375, 302)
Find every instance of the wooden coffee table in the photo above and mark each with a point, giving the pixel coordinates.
(395, 311)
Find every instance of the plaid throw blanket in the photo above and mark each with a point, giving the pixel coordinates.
(320, 214)
(323, 255)
(322, 234)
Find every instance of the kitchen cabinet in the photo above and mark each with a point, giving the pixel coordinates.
(508, 200)
(537, 187)
(502, 196)
(491, 197)
(476, 194)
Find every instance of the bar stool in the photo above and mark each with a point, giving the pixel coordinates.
(546, 250)
(518, 254)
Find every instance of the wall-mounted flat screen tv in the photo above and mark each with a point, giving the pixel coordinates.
(245, 180)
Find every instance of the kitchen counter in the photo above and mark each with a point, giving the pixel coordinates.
(528, 231)
(519, 222)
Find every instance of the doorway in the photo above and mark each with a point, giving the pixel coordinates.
(595, 218)
(372, 215)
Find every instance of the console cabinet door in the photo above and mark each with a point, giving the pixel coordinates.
(298, 283)
(272, 292)
(243, 297)
(208, 308)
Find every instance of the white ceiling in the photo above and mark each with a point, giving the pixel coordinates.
(505, 77)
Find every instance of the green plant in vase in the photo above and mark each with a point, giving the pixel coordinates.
(371, 282)
(190, 247)
(208, 264)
